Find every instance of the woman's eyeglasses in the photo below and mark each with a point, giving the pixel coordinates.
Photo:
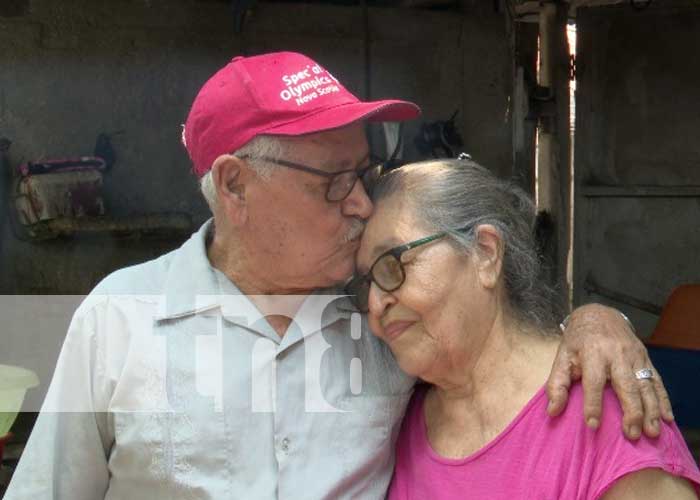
(387, 272)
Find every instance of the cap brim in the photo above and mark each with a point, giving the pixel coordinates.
(345, 114)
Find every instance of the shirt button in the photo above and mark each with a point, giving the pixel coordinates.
(285, 445)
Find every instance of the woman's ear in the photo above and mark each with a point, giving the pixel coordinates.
(229, 176)
(489, 254)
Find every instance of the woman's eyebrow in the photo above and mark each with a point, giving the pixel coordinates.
(376, 252)
(380, 249)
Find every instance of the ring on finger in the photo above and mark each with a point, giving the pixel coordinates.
(644, 374)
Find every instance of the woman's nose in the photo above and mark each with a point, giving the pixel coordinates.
(379, 300)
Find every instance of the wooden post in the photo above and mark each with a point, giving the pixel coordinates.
(524, 55)
(554, 156)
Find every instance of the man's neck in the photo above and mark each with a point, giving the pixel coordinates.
(278, 304)
(237, 265)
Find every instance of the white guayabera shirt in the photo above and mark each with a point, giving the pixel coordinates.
(171, 386)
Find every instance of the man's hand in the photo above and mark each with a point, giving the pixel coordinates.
(598, 346)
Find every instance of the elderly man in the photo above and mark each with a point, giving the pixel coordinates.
(231, 367)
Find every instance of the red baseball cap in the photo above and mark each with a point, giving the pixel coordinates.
(282, 93)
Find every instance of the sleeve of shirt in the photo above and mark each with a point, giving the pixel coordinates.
(614, 455)
(67, 452)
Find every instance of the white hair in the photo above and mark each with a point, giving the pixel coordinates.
(258, 147)
(457, 196)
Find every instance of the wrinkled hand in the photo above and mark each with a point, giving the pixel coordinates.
(598, 346)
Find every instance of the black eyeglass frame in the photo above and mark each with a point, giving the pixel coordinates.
(354, 286)
(359, 173)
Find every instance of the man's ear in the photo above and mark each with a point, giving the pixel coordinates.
(488, 257)
(230, 176)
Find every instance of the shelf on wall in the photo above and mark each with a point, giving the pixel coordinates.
(159, 225)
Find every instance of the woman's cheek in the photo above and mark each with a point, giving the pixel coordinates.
(374, 324)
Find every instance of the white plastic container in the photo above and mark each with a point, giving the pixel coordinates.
(14, 382)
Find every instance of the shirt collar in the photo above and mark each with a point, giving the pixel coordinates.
(193, 285)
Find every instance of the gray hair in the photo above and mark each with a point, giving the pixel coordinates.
(456, 196)
(262, 145)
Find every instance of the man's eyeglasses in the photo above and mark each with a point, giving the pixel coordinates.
(387, 272)
(341, 183)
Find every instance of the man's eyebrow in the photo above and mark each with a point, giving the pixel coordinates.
(364, 158)
(332, 166)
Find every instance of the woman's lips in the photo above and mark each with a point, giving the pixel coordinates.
(396, 328)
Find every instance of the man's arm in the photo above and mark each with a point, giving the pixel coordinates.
(66, 456)
(598, 345)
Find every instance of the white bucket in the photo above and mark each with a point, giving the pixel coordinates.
(14, 382)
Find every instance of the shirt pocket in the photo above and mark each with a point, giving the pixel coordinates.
(172, 453)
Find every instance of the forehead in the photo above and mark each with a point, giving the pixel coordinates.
(392, 223)
(342, 147)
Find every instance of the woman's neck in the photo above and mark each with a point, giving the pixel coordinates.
(513, 363)
(470, 408)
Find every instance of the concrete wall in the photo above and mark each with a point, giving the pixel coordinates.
(72, 69)
(637, 125)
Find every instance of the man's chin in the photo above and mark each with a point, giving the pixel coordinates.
(339, 272)
(342, 273)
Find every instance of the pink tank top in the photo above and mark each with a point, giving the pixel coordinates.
(536, 457)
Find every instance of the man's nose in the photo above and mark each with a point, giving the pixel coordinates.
(357, 203)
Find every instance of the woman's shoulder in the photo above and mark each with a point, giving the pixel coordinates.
(612, 411)
(610, 455)
(612, 419)
(609, 433)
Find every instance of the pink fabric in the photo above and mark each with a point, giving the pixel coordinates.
(536, 457)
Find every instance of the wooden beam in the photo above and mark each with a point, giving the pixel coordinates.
(554, 154)
(592, 191)
(591, 286)
(524, 50)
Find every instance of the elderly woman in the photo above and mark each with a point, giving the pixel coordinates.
(451, 281)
